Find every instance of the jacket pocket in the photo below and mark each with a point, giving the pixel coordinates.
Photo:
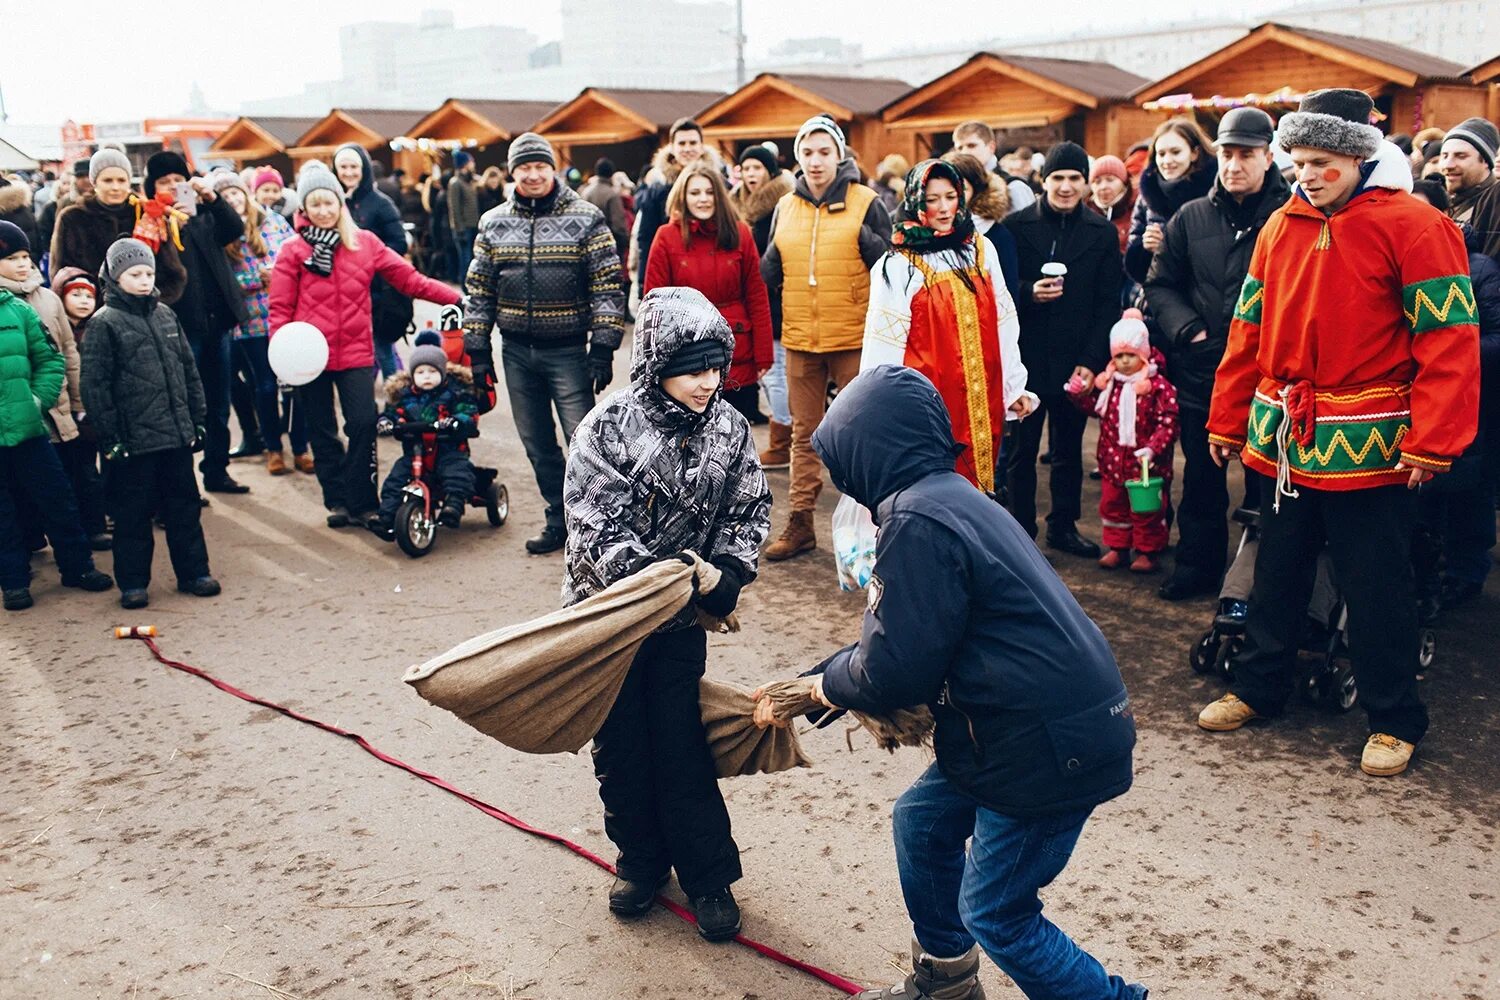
(1094, 737)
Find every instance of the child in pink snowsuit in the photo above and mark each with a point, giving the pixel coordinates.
(1137, 409)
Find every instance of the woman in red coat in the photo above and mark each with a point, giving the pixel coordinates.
(705, 246)
(322, 276)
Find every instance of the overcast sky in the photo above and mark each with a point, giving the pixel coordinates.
(97, 60)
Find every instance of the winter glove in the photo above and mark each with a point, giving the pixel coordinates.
(385, 426)
(721, 601)
(199, 436)
(446, 424)
(601, 367)
(116, 453)
(482, 365)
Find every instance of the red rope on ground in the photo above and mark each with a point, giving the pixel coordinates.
(836, 981)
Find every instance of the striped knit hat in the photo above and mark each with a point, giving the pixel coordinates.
(822, 123)
(528, 147)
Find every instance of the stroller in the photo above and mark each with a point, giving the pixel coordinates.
(1326, 674)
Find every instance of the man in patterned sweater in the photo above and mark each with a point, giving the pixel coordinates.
(546, 274)
(1351, 376)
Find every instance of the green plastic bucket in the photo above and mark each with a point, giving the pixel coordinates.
(1145, 492)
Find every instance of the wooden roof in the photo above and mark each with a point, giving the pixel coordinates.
(777, 104)
(1273, 56)
(1485, 72)
(599, 115)
(485, 121)
(1008, 91)
(252, 136)
(370, 127)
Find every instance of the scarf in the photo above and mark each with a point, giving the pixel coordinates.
(1461, 205)
(1135, 385)
(156, 219)
(322, 242)
(911, 231)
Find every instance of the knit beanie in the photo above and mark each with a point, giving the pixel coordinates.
(1336, 119)
(125, 253)
(695, 356)
(106, 157)
(822, 123)
(160, 165)
(221, 179)
(763, 156)
(1479, 133)
(316, 177)
(604, 167)
(70, 278)
(12, 239)
(267, 175)
(1130, 336)
(1066, 156)
(528, 147)
(1109, 166)
(427, 354)
(462, 159)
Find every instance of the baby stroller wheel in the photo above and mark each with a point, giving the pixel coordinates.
(1427, 650)
(497, 504)
(1336, 689)
(415, 531)
(1224, 662)
(1204, 653)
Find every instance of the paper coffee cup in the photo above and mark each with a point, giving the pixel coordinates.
(1055, 270)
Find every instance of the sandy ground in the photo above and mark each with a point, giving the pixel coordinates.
(161, 839)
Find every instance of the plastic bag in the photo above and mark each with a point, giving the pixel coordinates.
(853, 544)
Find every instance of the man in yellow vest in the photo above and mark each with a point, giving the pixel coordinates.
(825, 236)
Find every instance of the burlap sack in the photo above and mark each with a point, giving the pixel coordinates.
(546, 686)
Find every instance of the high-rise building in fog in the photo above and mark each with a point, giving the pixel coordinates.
(648, 42)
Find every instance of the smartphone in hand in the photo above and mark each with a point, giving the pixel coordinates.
(187, 198)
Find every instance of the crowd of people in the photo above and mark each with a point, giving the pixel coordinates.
(1303, 295)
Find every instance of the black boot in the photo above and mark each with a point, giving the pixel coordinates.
(633, 897)
(452, 513)
(203, 586)
(93, 581)
(1071, 542)
(550, 540)
(18, 599)
(935, 979)
(225, 484)
(718, 915)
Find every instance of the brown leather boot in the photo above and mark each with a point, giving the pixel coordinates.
(798, 537)
(304, 463)
(276, 463)
(778, 454)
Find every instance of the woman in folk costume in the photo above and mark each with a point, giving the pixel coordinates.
(938, 303)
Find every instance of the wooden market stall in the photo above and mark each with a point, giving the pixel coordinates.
(774, 106)
(261, 140)
(1412, 89)
(626, 125)
(372, 128)
(483, 127)
(1487, 76)
(1027, 100)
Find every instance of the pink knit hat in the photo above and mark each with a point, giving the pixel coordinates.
(1108, 166)
(1130, 336)
(267, 175)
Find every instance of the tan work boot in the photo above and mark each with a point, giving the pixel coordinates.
(778, 454)
(276, 463)
(304, 463)
(1226, 714)
(1385, 755)
(798, 537)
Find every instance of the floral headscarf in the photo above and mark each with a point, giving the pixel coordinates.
(910, 230)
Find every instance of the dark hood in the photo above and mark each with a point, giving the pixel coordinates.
(366, 177)
(847, 174)
(887, 429)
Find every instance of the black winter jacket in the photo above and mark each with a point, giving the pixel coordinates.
(1157, 202)
(212, 302)
(139, 382)
(1058, 336)
(372, 210)
(966, 616)
(1195, 278)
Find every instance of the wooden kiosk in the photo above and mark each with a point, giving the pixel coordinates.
(625, 125)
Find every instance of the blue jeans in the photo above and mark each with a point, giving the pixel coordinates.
(463, 247)
(539, 380)
(990, 896)
(385, 358)
(774, 382)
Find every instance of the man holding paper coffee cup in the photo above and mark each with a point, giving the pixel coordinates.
(1069, 260)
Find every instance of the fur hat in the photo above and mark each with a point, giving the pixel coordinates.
(1066, 156)
(316, 177)
(427, 354)
(12, 239)
(125, 253)
(162, 164)
(823, 123)
(528, 147)
(1130, 336)
(1336, 119)
(1479, 133)
(267, 175)
(106, 157)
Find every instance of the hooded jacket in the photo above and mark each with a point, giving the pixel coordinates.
(372, 210)
(1366, 318)
(140, 383)
(1195, 279)
(87, 228)
(1157, 203)
(31, 369)
(967, 617)
(647, 477)
(59, 331)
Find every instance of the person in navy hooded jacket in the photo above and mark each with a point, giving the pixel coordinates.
(1034, 726)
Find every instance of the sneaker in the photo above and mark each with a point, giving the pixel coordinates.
(304, 463)
(1226, 715)
(101, 542)
(338, 517)
(935, 979)
(92, 581)
(203, 586)
(1385, 755)
(134, 600)
(1112, 559)
(18, 599)
(718, 915)
(633, 897)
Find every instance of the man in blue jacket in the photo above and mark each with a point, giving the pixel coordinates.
(1034, 726)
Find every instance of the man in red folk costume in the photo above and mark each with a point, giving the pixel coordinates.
(938, 303)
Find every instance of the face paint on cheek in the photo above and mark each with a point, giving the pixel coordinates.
(1332, 175)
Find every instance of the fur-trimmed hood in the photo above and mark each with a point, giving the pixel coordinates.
(665, 168)
(14, 196)
(754, 207)
(399, 384)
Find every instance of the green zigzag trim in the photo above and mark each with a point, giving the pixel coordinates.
(1439, 302)
(1333, 449)
(1252, 295)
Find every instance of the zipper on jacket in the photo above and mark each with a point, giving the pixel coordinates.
(812, 250)
(530, 260)
(945, 697)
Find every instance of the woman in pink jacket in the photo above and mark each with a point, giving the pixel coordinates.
(322, 276)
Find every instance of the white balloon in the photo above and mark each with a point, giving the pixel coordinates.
(298, 353)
